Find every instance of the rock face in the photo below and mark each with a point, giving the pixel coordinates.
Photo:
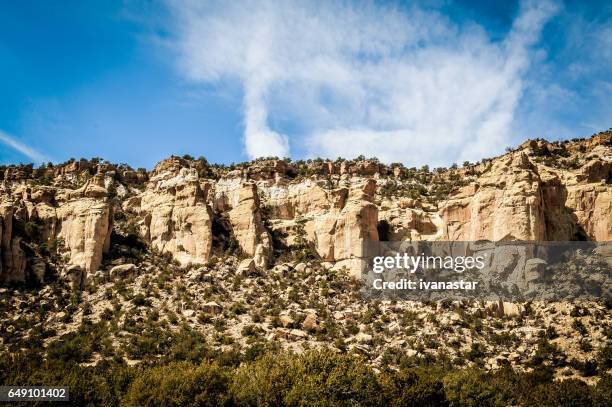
(541, 191)
(84, 225)
(175, 216)
(12, 259)
(240, 200)
(592, 207)
(516, 199)
(505, 204)
(355, 225)
(80, 219)
(83, 222)
(337, 222)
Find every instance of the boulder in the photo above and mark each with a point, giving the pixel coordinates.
(534, 269)
(189, 313)
(212, 308)
(363, 338)
(503, 308)
(76, 276)
(300, 267)
(39, 269)
(281, 269)
(310, 323)
(261, 256)
(285, 320)
(123, 271)
(247, 268)
(296, 335)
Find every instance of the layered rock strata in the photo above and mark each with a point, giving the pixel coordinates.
(540, 191)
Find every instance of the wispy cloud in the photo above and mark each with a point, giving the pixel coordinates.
(27, 151)
(567, 94)
(362, 78)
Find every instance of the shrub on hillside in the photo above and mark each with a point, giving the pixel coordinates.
(180, 384)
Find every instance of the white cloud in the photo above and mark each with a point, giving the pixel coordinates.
(29, 152)
(359, 78)
(567, 92)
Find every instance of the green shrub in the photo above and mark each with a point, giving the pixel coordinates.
(324, 377)
(178, 368)
(467, 388)
(410, 387)
(180, 384)
(264, 382)
(71, 347)
(569, 392)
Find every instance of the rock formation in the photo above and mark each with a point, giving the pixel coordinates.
(540, 191)
(505, 203)
(518, 199)
(241, 202)
(174, 215)
(78, 218)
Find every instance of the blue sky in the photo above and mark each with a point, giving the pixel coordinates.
(429, 82)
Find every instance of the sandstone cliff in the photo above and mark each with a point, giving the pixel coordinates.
(516, 197)
(173, 214)
(34, 217)
(54, 217)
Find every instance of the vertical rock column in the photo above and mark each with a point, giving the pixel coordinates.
(176, 218)
(247, 223)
